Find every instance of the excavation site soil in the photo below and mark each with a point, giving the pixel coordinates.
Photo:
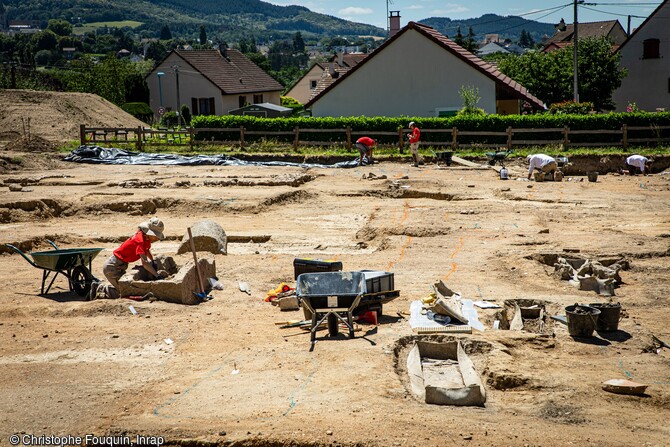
(223, 372)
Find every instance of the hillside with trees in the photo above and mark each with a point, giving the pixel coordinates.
(507, 27)
(227, 19)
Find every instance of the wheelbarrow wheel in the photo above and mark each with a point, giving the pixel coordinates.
(333, 325)
(81, 280)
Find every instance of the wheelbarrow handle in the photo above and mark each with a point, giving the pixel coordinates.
(53, 244)
(16, 249)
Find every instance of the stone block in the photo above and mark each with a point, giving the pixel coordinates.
(207, 236)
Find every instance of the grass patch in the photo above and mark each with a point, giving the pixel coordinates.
(91, 27)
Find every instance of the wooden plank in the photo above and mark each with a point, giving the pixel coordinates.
(538, 142)
(557, 130)
(464, 162)
(604, 131)
(648, 127)
(472, 132)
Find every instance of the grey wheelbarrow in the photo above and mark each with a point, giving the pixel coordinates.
(73, 263)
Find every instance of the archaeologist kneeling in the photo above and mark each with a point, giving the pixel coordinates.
(137, 247)
(541, 162)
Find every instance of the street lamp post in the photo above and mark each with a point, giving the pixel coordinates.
(160, 74)
(176, 75)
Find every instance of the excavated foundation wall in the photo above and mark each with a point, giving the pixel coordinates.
(179, 288)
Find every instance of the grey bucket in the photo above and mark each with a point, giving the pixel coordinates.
(593, 176)
(610, 315)
(581, 320)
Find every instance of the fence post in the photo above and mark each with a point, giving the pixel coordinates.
(509, 138)
(401, 141)
(296, 138)
(140, 137)
(348, 137)
(82, 134)
(454, 138)
(241, 137)
(566, 137)
(624, 131)
(191, 136)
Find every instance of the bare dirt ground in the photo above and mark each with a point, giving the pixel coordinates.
(73, 367)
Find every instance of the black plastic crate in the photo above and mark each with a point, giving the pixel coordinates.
(378, 281)
(301, 266)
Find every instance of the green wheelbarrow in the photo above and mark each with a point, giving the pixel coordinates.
(73, 263)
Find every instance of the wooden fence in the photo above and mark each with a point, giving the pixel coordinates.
(453, 138)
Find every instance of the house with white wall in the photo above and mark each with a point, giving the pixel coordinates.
(303, 89)
(646, 56)
(209, 82)
(419, 72)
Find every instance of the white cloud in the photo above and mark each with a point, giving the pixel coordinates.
(451, 8)
(354, 11)
(414, 7)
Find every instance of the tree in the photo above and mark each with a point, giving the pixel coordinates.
(165, 33)
(60, 27)
(203, 35)
(549, 76)
(470, 43)
(247, 45)
(459, 37)
(525, 39)
(156, 51)
(298, 42)
(45, 40)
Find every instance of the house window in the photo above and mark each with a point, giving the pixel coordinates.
(650, 49)
(258, 99)
(242, 101)
(202, 106)
(312, 84)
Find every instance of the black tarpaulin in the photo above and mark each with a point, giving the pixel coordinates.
(115, 156)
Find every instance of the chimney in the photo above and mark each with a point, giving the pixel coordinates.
(223, 49)
(394, 21)
(340, 58)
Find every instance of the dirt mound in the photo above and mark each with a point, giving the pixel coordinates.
(56, 116)
(32, 144)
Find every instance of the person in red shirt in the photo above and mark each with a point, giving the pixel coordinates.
(137, 247)
(414, 138)
(365, 145)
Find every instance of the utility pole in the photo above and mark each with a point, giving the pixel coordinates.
(176, 75)
(575, 81)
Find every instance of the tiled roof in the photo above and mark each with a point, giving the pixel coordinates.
(327, 78)
(349, 60)
(233, 74)
(586, 29)
(504, 82)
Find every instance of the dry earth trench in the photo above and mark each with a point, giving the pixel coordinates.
(231, 376)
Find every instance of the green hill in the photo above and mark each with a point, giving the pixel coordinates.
(234, 18)
(505, 26)
(242, 18)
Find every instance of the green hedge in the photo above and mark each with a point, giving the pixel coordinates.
(487, 123)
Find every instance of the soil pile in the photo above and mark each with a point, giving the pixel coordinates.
(56, 116)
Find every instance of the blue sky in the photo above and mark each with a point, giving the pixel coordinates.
(374, 11)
